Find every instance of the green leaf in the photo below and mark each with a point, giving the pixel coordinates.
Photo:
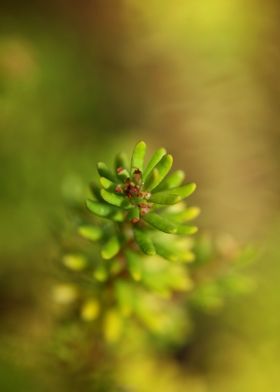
(105, 211)
(165, 198)
(160, 223)
(112, 198)
(75, 262)
(185, 215)
(138, 155)
(134, 265)
(90, 232)
(153, 162)
(123, 175)
(105, 172)
(107, 184)
(173, 180)
(181, 192)
(95, 190)
(111, 248)
(144, 241)
(112, 326)
(121, 161)
(90, 310)
(152, 179)
(134, 215)
(187, 230)
(101, 273)
(159, 172)
(166, 252)
(125, 297)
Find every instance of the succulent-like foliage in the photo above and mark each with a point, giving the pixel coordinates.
(134, 254)
(137, 197)
(141, 224)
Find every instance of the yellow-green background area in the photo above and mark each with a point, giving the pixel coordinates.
(80, 80)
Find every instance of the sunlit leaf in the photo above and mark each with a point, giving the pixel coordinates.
(165, 198)
(75, 262)
(186, 230)
(90, 310)
(159, 172)
(113, 198)
(175, 179)
(107, 184)
(185, 215)
(111, 248)
(101, 273)
(181, 192)
(134, 265)
(113, 326)
(125, 297)
(64, 293)
(138, 155)
(153, 162)
(90, 232)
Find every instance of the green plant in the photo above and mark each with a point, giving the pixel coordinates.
(134, 259)
(141, 224)
(132, 271)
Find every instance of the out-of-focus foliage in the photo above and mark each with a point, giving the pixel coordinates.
(140, 224)
(133, 286)
(78, 83)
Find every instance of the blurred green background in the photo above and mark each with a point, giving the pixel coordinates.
(80, 80)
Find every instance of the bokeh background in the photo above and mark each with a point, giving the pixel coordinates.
(80, 80)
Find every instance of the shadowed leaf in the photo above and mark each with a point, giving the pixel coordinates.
(134, 264)
(104, 171)
(144, 242)
(105, 211)
(160, 223)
